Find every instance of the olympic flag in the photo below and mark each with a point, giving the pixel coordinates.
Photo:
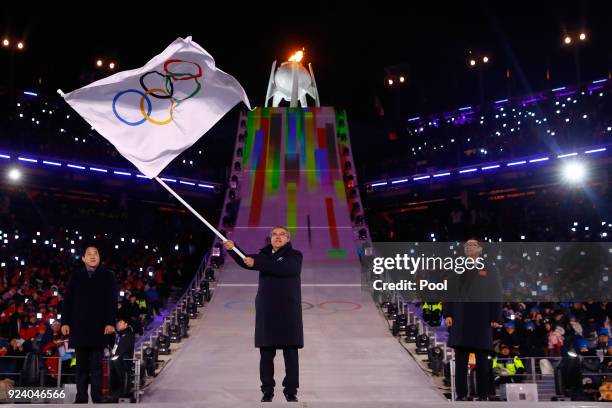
(152, 114)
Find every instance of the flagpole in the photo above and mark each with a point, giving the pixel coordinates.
(213, 229)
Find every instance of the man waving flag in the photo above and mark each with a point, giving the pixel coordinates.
(152, 114)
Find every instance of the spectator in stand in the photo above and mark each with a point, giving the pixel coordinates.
(132, 311)
(153, 297)
(509, 336)
(122, 355)
(589, 369)
(29, 329)
(575, 326)
(15, 319)
(548, 312)
(606, 364)
(603, 337)
(533, 341)
(519, 323)
(579, 312)
(18, 352)
(595, 313)
(555, 341)
(507, 366)
(41, 338)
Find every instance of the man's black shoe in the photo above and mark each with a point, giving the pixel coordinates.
(291, 397)
(267, 397)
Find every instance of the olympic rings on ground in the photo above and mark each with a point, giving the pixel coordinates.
(160, 93)
(354, 306)
(241, 305)
(305, 305)
(251, 305)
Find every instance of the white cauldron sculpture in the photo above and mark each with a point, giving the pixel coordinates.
(292, 82)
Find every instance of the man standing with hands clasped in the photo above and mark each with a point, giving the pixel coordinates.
(88, 315)
(471, 317)
(278, 309)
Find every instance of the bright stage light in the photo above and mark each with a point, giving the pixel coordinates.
(568, 40)
(574, 172)
(14, 174)
(472, 62)
(99, 63)
(6, 42)
(582, 36)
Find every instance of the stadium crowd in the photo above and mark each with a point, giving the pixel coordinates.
(544, 123)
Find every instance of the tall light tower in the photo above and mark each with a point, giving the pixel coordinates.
(292, 82)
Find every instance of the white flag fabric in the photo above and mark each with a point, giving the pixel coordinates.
(152, 114)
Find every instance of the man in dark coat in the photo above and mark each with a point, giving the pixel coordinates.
(278, 309)
(122, 356)
(470, 320)
(88, 316)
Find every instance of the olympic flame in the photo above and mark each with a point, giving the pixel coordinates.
(297, 57)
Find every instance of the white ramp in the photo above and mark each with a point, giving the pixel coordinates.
(349, 354)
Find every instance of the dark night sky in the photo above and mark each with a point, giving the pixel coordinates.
(349, 53)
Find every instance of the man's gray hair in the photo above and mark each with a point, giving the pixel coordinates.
(281, 227)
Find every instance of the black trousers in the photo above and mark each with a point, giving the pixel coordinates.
(266, 369)
(119, 379)
(89, 369)
(483, 372)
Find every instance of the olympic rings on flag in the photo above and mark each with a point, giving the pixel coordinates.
(146, 115)
(190, 76)
(149, 107)
(169, 92)
(194, 93)
(159, 93)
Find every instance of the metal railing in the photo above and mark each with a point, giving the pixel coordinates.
(533, 372)
(148, 339)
